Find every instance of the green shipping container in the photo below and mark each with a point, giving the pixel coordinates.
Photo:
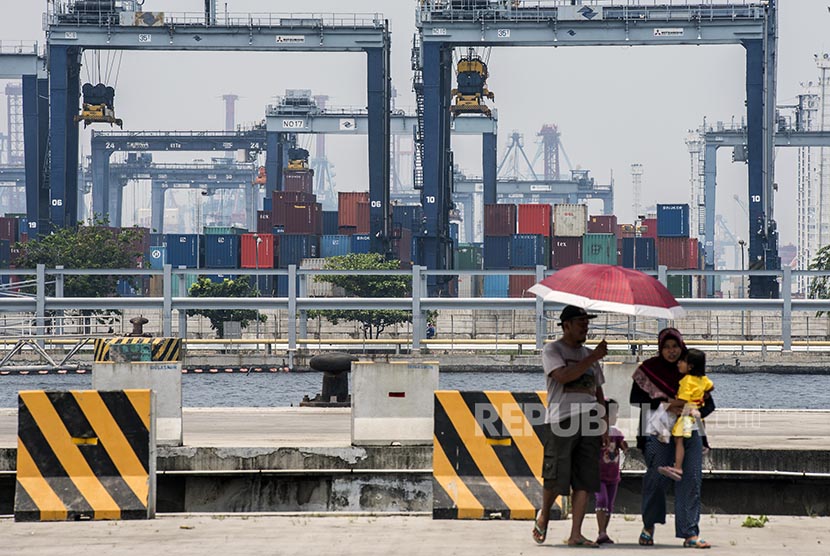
(223, 230)
(599, 249)
(189, 280)
(679, 286)
(468, 257)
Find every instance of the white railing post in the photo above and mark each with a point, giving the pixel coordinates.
(417, 317)
(787, 311)
(541, 329)
(292, 309)
(40, 320)
(167, 302)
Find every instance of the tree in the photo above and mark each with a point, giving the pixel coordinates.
(373, 322)
(240, 287)
(820, 286)
(86, 246)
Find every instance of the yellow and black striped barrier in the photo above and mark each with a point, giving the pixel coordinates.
(85, 455)
(487, 458)
(163, 349)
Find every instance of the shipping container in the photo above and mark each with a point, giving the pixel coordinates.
(182, 283)
(302, 219)
(496, 286)
(221, 250)
(519, 284)
(347, 209)
(157, 239)
(5, 253)
(529, 250)
(158, 257)
(267, 204)
(454, 233)
(497, 252)
(184, 250)
(570, 220)
(535, 219)
(298, 197)
(402, 248)
(293, 248)
(361, 244)
(626, 230)
(9, 228)
(673, 220)
(224, 230)
(643, 248)
(602, 224)
(335, 246)
(499, 220)
(330, 223)
(315, 287)
(599, 249)
(470, 285)
(648, 227)
(679, 286)
(566, 251)
(298, 180)
(364, 218)
(280, 285)
(677, 253)
(257, 251)
(264, 222)
(468, 257)
(408, 216)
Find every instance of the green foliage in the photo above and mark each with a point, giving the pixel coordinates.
(373, 323)
(87, 246)
(759, 521)
(241, 287)
(820, 287)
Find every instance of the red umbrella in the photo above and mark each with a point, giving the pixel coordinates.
(602, 287)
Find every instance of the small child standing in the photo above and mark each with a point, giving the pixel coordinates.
(609, 473)
(693, 387)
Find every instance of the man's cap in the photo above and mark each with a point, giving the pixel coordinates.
(573, 312)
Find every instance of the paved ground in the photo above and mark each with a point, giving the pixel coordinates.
(283, 535)
(263, 427)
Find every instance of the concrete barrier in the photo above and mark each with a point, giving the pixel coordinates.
(393, 402)
(85, 455)
(164, 378)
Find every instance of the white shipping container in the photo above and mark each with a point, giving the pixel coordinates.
(570, 220)
(470, 286)
(317, 288)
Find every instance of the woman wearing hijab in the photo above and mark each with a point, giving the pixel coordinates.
(656, 380)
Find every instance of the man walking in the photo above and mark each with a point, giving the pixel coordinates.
(576, 433)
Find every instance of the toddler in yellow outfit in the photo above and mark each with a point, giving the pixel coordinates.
(693, 387)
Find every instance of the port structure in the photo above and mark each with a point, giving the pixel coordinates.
(122, 26)
(107, 196)
(736, 136)
(444, 26)
(23, 60)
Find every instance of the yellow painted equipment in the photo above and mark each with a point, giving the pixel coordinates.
(98, 113)
(471, 75)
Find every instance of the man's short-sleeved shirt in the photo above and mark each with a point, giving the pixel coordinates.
(577, 396)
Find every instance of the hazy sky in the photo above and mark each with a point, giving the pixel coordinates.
(614, 106)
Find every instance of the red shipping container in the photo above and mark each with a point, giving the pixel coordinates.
(499, 220)
(402, 247)
(364, 218)
(298, 180)
(625, 230)
(648, 228)
(566, 251)
(347, 209)
(519, 285)
(9, 228)
(535, 219)
(347, 230)
(301, 219)
(677, 253)
(299, 197)
(602, 224)
(264, 221)
(250, 257)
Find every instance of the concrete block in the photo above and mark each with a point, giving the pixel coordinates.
(164, 378)
(393, 402)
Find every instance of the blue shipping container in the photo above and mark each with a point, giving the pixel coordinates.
(528, 250)
(497, 252)
(454, 233)
(157, 239)
(296, 247)
(405, 216)
(330, 224)
(335, 246)
(5, 252)
(267, 204)
(673, 220)
(281, 286)
(219, 278)
(158, 256)
(183, 250)
(496, 286)
(361, 244)
(221, 251)
(645, 252)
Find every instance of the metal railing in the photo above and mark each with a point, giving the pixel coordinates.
(19, 47)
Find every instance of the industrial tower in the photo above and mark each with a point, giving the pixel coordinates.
(14, 114)
(550, 151)
(637, 181)
(696, 185)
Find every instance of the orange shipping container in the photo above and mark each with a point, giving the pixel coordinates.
(677, 253)
(535, 219)
(347, 208)
(364, 218)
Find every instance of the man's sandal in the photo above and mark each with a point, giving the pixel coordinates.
(696, 543)
(646, 538)
(539, 534)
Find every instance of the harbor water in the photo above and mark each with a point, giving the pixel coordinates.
(266, 389)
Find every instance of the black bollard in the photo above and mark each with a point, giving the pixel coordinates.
(335, 368)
